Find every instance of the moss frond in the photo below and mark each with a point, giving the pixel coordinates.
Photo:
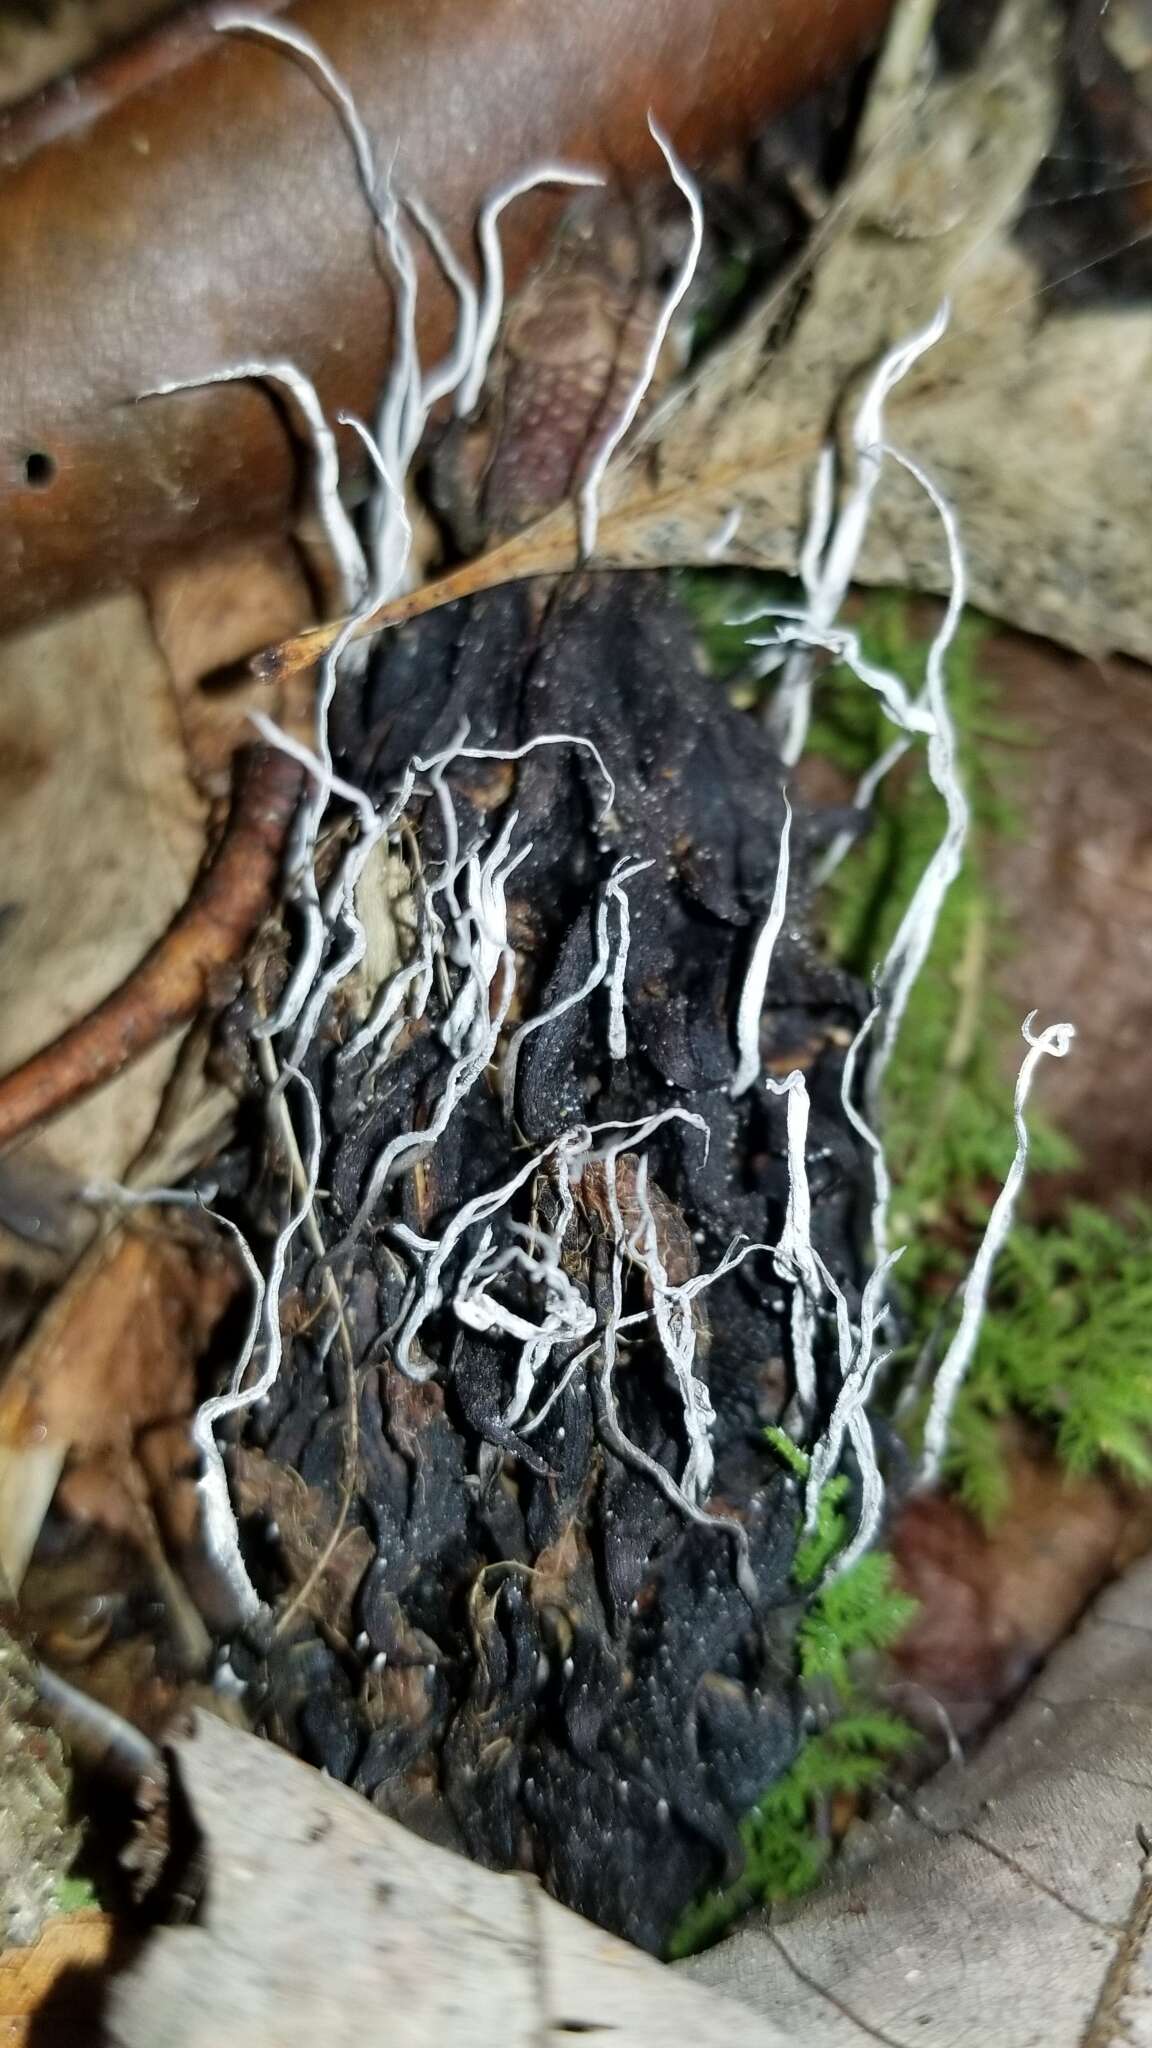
(1069, 1344)
(863, 1609)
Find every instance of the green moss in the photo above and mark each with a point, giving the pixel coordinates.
(1068, 1342)
(75, 1895)
(863, 1609)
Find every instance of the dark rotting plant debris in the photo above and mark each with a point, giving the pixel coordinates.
(545, 1661)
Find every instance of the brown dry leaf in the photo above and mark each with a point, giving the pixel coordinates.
(1012, 1904)
(49, 1993)
(40, 43)
(1074, 885)
(108, 1379)
(112, 745)
(1039, 450)
(323, 1921)
(118, 1351)
(995, 1602)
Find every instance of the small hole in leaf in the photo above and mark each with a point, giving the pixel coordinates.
(39, 469)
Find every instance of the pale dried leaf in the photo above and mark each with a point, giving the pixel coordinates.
(324, 1922)
(101, 833)
(1013, 1904)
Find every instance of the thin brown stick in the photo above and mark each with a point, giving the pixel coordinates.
(507, 563)
(230, 896)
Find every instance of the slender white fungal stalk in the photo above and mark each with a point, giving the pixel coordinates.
(917, 929)
(791, 712)
(492, 257)
(737, 1252)
(638, 1130)
(843, 644)
(390, 1007)
(610, 1425)
(725, 534)
(563, 1004)
(750, 1008)
(444, 379)
(460, 752)
(236, 21)
(1053, 1043)
(589, 499)
(302, 860)
(274, 735)
(881, 1178)
(338, 528)
(676, 1329)
(408, 1147)
(401, 418)
(607, 965)
(435, 1253)
(795, 1259)
(567, 1316)
(218, 1522)
(829, 554)
(406, 401)
(534, 1422)
(849, 1418)
(865, 791)
(391, 511)
(615, 893)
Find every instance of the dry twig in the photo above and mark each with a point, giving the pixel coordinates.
(211, 932)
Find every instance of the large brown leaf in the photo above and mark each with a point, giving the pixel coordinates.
(195, 204)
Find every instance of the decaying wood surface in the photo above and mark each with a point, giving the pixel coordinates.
(323, 1921)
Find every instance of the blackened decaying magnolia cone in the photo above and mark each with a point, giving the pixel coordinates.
(537, 1655)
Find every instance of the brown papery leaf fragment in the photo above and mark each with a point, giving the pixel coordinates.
(174, 979)
(101, 832)
(993, 1603)
(107, 1382)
